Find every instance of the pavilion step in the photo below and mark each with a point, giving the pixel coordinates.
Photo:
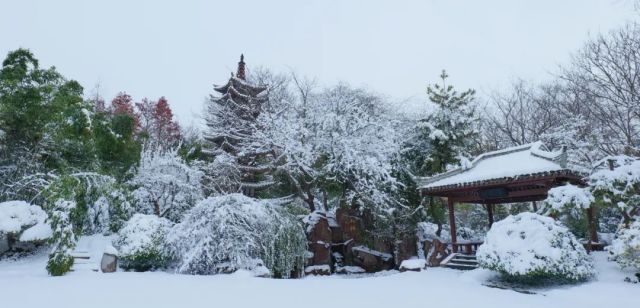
(460, 262)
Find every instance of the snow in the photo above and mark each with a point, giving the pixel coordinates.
(413, 264)
(24, 283)
(110, 250)
(317, 268)
(511, 162)
(39, 232)
(18, 215)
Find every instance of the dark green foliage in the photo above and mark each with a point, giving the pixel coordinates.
(59, 264)
(144, 260)
(115, 142)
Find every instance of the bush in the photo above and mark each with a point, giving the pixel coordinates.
(23, 225)
(141, 243)
(63, 239)
(226, 233)
(534, 249)
(625, 248)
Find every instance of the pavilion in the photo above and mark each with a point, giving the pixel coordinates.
(518, 174)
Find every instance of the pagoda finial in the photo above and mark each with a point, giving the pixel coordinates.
(241, 73)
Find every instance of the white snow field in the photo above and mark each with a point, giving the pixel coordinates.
(24, 283)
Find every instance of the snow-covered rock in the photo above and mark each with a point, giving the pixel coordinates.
(26, 224)
(15, 216)
(528, 247)
(415, 265)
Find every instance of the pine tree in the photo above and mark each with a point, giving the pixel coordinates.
(232, 121)
(441, 139)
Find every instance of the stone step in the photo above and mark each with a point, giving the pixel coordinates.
(460, 266)
(468, 257)
(464, 261)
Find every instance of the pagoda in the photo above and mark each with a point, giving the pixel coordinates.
(232, 122)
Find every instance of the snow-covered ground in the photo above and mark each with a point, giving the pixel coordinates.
(25, 283)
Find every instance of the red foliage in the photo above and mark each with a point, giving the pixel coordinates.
(123, 104)
(157, 121)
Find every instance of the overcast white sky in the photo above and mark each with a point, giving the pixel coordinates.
(178, 49)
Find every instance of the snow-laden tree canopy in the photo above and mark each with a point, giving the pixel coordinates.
(340, 137)
(529, 246)
(165, 184)
(230, 232)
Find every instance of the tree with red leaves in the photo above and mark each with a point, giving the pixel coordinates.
(122, 104)
(157, 122)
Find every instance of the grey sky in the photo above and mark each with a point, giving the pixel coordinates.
(179, 48)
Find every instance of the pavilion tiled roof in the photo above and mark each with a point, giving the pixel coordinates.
(521, 162)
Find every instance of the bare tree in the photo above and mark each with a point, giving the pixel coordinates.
(607, 73)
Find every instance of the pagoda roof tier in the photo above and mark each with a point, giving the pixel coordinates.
(243, 87)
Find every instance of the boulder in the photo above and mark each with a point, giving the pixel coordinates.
(319, 237)
(318, 270)
(406, 248)
(372, 260)
(109, 262)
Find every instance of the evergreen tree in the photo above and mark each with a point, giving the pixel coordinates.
(441, 139)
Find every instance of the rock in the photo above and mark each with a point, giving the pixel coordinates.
(406, 248)
(319, 237)
(415, 265)
(109, 263)
(318, 270)
(371, 260)
(350, 270)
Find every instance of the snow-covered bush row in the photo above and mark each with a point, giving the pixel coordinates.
(141, 243)
(625, 248)
(165, 184)
(230, 232)
(532, 248)
(23, 221)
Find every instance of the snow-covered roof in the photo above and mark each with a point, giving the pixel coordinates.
(520, 161)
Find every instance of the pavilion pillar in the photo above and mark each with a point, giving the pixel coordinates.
(490, 214)
(452, 225)
(535, 206)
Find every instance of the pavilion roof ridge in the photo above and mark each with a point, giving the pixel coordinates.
(536, 149)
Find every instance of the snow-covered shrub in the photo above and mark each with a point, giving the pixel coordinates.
(141, 243)
(620, 187)
(568, 203)
(63, 239)
(102, 205)
(567, 198)
(230, 232)
(23, 222)
(165, 184)
(532, 248)
(625, 248)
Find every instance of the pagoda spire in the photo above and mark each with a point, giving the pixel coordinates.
(241, 70)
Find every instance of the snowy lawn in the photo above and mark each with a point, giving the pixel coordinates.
(25, 283)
